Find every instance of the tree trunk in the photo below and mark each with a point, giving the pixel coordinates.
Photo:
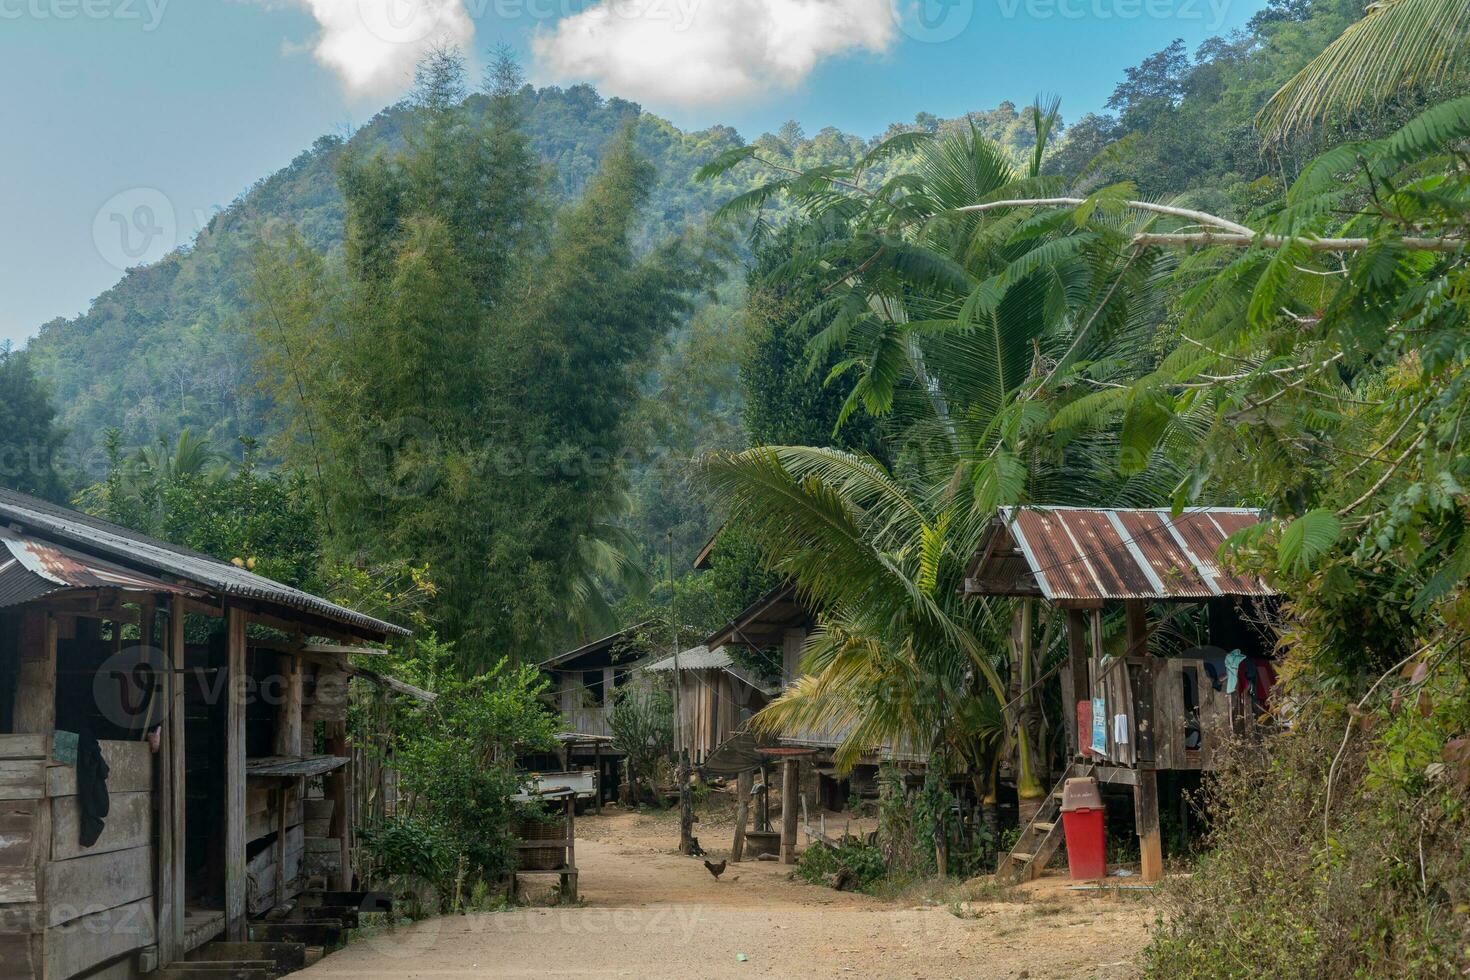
(1029, 789)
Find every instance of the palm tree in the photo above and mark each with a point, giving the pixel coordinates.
(1399, 44)
(991, 344)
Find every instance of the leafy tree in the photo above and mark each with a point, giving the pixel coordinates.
(465, 383)
(30, 440)
(978, 341)
(456, 760)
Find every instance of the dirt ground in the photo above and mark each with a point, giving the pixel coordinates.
(647, 911)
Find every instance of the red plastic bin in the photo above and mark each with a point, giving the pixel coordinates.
(1083, 824)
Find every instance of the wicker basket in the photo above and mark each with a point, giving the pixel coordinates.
(543, 858)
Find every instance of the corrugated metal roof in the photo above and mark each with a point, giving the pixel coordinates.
(695, 658)
(30, 569)
(162, 558)
(1087, 553)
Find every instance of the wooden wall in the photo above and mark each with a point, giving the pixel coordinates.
(65, 909)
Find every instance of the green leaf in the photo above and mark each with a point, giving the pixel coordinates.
(1307, 539)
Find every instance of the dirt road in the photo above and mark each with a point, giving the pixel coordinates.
(648, 912)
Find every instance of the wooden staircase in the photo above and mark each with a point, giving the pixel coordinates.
(289, 938)
(1040, 838)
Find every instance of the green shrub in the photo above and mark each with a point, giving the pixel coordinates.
(1382, 890)
(456, 760)
(820, 862)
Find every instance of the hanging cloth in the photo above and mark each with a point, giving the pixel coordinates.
(1233, 660)
(92, 799)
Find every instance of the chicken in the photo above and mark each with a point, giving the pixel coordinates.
(715, 869)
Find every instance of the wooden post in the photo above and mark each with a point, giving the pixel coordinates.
(790, 779)
(1075, 685)
(288, 744)
(170, 796)
(686, 806)
(742, 812)
(571, 807)
(763, 817)
(1135, 614)
(235, 691)
(1146, 822)
(288, 712)
(1141, 680)
(340, 793)
(597, 768)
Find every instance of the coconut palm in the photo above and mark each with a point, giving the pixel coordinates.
(1398, 45)
(992, 344)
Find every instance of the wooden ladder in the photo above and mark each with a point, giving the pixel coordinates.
(1040, 838)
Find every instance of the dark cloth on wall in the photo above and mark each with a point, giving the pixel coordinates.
(93, 802)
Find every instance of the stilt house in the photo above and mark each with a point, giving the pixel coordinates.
(1132, 713)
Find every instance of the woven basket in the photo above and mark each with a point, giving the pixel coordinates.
(543, 858)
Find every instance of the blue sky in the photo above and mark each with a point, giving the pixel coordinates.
(155, 113)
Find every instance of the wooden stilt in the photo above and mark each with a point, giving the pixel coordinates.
(742, 813)
(1146, 822)
(789, 782)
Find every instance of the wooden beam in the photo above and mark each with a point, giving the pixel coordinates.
(235, 693)
(345, 649)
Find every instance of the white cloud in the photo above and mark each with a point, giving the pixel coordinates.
(705, 52)
(373, 45)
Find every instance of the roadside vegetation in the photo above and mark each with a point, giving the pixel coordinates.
(491, 380)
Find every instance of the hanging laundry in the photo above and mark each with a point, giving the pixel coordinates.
(1120, 729)
(1263, 678)
(1233, 660)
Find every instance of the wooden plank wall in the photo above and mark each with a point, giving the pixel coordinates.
(65, 909)
(1173, 716)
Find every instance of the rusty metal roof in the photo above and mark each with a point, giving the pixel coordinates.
(30, 516)
(1076, 553)
(30, 569)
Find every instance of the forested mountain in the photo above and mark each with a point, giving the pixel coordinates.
(166, 348)
(169, 347)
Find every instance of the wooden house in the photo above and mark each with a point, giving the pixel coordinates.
(1143, 713)
(215, 701)
(717, 697)
(782, 619)
(585, 682)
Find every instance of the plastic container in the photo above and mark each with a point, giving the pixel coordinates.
(1084, 728)
(1083, 824)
